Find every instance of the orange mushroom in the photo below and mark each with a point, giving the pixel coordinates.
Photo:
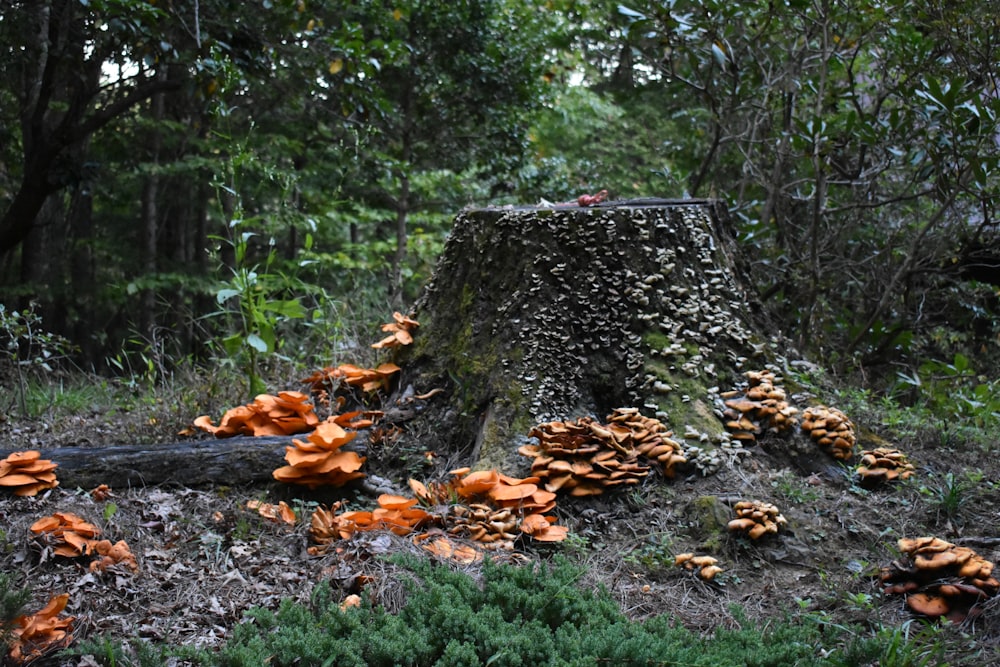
(883, 464)
(41, 633)
(706, 566)
(287, 413)
(400, 331)
(67, 533)
(26, 473)
(318, 461)
(584, 457)
(761, 406)
(441, 546)
(280, 512)
(939, 578)
(395, 513)
(111, 554)
(830, 429)
(756, 519)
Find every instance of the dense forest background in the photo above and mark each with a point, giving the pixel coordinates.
(206, 179)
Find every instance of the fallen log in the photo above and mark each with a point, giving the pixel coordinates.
(240, 460)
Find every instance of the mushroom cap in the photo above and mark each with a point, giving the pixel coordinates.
(741, 524)
(928, 605)
(24, 457)
(478, 482)
(517, 492)
(394, 502)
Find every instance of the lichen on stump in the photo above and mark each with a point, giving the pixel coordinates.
(537, 314)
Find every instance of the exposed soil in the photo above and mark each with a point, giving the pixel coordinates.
(204, 559)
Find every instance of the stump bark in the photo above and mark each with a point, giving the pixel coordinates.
(535, 314)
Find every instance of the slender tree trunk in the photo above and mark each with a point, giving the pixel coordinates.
(81, 271)
(820, 185)
(402, 211)
(150, 214)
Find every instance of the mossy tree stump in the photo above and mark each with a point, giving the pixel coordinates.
(536, 314)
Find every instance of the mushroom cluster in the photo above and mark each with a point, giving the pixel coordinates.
(39, 634)
(70, 536)
(498, 506)
(883, 464)
(584, 457)
(394, 513)
(487, 506)
(367, 380)
(650, 438)
(108, 554)
(287, 413)
(939, 578)
(486, 524)
(318, 461)
(400, 331)
(830, 429)
(756, 519)
(26, 473)
(66, 533)
(706, 567)
(762, 406)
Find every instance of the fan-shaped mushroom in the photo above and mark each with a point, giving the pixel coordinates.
(325, 381)
(38, 634)
(67, 533)
(400, 331)
(583, 457)
(395, 513)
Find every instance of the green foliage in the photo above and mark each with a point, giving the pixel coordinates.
(585, 141)
(955, 388)
(657, 552)
(792, 487)
(515, 616)
(27, 347)
(911, 644)
(258, 312)
(952, 493)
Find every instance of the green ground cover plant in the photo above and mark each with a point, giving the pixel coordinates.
(519, 616)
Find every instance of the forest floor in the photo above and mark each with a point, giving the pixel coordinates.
(204, 558)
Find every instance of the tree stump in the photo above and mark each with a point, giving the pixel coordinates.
(536, 314)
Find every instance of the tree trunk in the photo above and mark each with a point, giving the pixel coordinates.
(539, 314)
(150, 213)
